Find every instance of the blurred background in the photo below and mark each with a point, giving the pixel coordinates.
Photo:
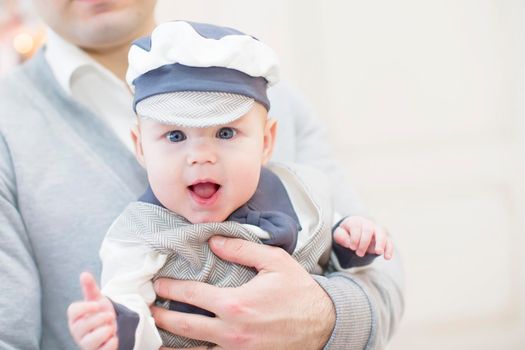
(21, 33)
(424, 102)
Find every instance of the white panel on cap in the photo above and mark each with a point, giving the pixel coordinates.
(178, 42)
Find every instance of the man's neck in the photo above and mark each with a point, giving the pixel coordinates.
(114, 59)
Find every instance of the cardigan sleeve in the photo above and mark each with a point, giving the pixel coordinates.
(20, 308)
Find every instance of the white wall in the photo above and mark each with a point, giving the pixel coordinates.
(431, 97)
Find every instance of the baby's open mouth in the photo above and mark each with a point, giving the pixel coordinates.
(204, 190)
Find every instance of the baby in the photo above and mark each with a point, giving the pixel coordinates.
(205, 139)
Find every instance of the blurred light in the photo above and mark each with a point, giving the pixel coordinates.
(23, 43)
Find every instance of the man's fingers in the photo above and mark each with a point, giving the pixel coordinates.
(89, 287)
(243, 252)
(195, 293)
(187, 325)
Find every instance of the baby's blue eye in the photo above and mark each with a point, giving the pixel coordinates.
(226, 133)
(176, 136)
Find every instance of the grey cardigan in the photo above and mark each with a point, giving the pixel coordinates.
(65, 176)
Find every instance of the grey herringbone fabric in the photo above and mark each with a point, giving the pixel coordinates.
(195, 108)
(189, 256)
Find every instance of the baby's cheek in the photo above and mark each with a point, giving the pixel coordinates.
(168, 191)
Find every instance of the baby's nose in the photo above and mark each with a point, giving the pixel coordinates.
(201, 153)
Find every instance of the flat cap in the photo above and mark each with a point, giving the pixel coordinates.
(197, 75)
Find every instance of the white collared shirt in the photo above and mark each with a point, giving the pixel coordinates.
(92, 85)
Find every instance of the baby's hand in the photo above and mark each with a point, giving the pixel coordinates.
(92, 322)
(364, 236)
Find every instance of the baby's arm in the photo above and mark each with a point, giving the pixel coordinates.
(363, 236)
(92, 322)
(127, 269)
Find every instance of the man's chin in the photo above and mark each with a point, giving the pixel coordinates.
(107, 27)
(102, 34)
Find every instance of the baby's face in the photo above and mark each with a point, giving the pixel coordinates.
(204, 174)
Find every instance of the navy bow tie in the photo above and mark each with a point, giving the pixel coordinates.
(282, 228)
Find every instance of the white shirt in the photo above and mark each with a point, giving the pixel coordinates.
(92, 85)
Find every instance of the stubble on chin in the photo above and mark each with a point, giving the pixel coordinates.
(104, 26)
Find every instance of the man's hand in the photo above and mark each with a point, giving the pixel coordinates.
(282, 307)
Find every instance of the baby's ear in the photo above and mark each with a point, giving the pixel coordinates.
(270, 131)
(137, 143)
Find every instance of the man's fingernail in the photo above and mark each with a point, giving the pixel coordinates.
(218, 241)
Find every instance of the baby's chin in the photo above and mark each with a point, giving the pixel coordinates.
(204, 218)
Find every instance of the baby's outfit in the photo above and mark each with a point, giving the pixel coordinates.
(289, 209)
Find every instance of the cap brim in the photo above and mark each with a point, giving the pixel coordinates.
(195, 109)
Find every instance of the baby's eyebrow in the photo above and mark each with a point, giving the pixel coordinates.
(169, 127)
